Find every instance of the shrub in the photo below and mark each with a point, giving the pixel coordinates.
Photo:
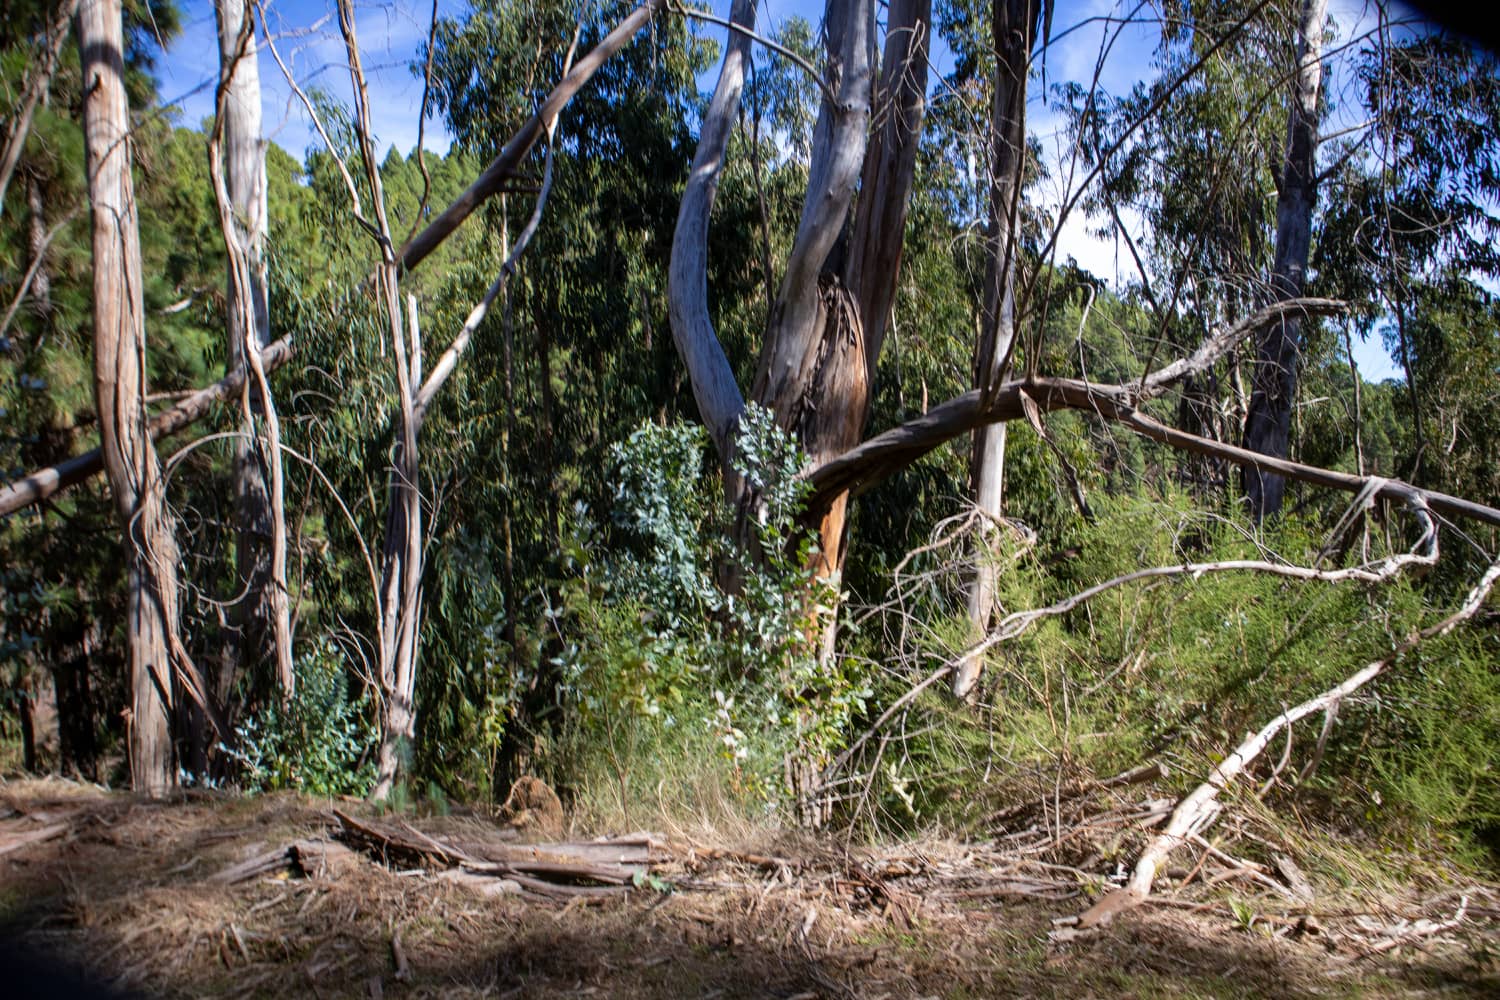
(658, 656)
(318, 743)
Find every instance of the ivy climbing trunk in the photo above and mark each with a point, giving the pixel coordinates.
(1278, 347)
(130, 459)
(1013, 26)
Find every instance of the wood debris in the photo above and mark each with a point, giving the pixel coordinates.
(559, 870)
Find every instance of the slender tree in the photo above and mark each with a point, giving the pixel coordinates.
(237, 162)
(1014, 28)
(130, 460)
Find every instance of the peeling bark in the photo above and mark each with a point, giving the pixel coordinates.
(237, 167)
(130, 459)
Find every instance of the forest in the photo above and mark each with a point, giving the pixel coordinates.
(733, 433)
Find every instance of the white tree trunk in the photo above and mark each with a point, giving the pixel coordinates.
(238, 160)
(1014, 29)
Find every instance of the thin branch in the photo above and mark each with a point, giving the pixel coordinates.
(36, 265)
(1197, 808)
(750, 33)
(449, 360)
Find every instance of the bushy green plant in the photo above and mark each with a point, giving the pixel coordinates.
(318, 743)
(655, 646)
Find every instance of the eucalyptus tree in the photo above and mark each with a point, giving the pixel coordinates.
(1411, 237)
(1015, 27)
(1278, 346)
(238, 172)
(130, 458)
(820, 350)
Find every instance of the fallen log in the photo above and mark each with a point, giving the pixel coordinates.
(562, 869)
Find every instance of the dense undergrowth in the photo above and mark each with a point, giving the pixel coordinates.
(676, 703)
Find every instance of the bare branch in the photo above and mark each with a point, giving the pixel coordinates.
(44, 483)
(1198, 808)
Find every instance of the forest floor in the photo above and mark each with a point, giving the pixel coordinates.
(200, 896)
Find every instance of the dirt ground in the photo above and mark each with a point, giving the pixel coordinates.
(154, 899)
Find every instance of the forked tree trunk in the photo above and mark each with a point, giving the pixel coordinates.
(820, 351)
(400, 597)
(130, 459)
(237, 159)
(1278, 347)
(1014, 27)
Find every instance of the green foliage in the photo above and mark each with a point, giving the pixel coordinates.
(1183, 668)
(655, 647)
(319, 743)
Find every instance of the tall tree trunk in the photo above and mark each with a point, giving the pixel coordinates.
(1278, 347)
(714, 387)
(1014, 24)
(238, 166)
(818, 361)
(856, 315)
(130, 459)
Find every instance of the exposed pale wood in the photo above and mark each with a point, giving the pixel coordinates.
(237, 170)
(15, 841)
(1198, 808)
(1013, 32)
(552, 869)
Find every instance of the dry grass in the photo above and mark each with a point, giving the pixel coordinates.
(126, 894)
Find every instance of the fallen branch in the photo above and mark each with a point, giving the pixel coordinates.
(558, 870)
(1424, 553)
(868, 464)
(46, 482)
(1198, 809)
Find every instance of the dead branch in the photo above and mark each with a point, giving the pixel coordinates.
(1424, 553)
(1197, 810)
(863, 467)
(46, 482)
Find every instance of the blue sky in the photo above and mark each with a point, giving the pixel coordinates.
(306, 36)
